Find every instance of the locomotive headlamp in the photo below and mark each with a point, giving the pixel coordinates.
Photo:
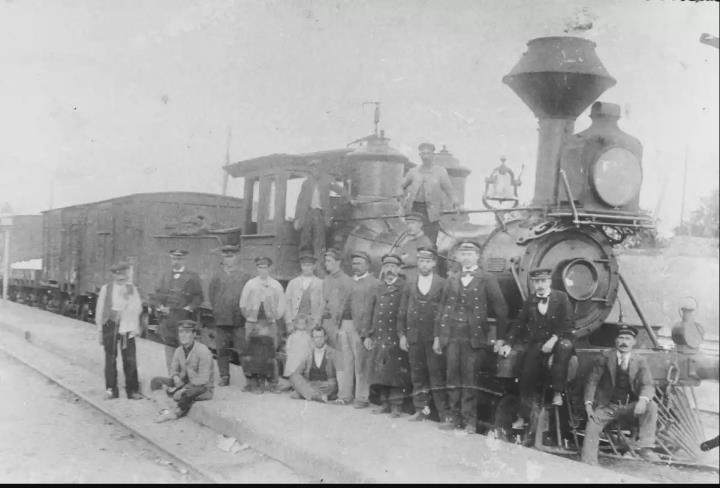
(617, 176)
(580, 279)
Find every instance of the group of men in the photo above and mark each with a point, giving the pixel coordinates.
(408, 334)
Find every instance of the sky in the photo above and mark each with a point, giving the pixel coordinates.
(102, 98)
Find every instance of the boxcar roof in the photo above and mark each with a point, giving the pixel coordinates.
(273, 162)
(149, 194)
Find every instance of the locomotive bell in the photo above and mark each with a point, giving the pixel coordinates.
(558, 78)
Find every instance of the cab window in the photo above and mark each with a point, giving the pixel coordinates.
(294, 184)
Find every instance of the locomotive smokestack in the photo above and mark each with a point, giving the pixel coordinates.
(558, 78)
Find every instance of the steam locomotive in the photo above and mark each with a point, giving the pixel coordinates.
(586, 200)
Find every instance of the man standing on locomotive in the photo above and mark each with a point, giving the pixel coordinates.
(176, 299)
(224, 294)
(419, 305)
(461, 333)
(117, 316)
(546, 324)
(620, 387)
(409, 243)
(312, 213)
(262, 303)
(389, 367)
(354, 330)
(426, 187)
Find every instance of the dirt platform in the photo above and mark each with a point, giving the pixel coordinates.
(326, 442)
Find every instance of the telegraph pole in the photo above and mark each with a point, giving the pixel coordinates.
(684, 185)
(226, 175)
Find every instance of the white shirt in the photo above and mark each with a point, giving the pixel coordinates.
(543, 306)
(318, 355)
(465, 280)
(623, 360)
(176, 272)
(424, 283)
(315, 201)
(119, 297)
(305, 282)
(358, 278)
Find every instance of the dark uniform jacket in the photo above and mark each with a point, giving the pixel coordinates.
(535, 328)
(601, 381)
(483, 290)
(180, 290)
(224, 295)
(416, 318)
(389, 363)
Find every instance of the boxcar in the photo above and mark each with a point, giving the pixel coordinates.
(81, 242)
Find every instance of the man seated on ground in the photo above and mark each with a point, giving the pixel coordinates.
(191, 371)
(314, 378)
(620, 387)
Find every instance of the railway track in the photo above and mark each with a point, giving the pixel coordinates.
(75, 381)
(189, 448)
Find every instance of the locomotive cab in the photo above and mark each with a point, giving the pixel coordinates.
(271, 189)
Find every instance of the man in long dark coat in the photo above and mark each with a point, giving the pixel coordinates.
(389, 366)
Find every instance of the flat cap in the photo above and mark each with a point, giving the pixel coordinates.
(426, 147)
(414, 216)
(178, 252)
(119, 266)
(362, 255)
(229, 249)
(626, 329)
(391, 258)
(307, 257)
(263, 261)
(468, 245)
(188, 324)
(334, 253)
(426, 252)
(540, 273)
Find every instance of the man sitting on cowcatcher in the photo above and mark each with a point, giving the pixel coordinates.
(620, 387)
(545, 323)
(191, 379)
